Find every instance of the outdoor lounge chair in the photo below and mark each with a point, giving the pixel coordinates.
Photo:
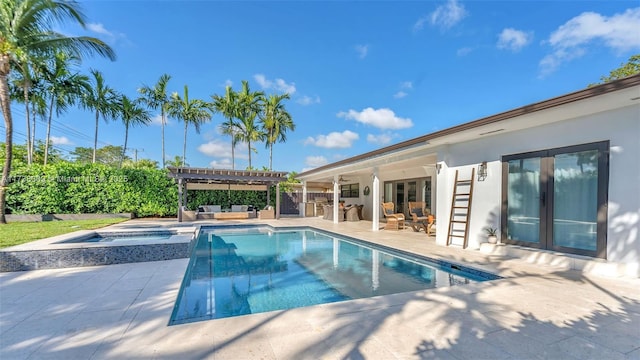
(421, 217)
(395, 221)
(351, 213)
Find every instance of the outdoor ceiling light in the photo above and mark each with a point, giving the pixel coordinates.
(482, 171)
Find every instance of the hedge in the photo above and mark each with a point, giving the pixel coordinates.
(74, 188)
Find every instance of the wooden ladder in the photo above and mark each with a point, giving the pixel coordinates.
(461, 209)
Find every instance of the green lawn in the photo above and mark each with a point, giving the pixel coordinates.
(22, 232)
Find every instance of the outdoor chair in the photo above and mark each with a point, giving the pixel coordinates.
(351, 213)
(395, 221)
(267, 213)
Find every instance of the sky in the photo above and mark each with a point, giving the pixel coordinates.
(361, 74)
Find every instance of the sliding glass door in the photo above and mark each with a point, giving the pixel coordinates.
(556, 199)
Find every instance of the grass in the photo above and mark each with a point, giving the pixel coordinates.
(23, 232)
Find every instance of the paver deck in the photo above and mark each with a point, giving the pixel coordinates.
(122, 311)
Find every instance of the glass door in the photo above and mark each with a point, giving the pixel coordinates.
(400, 195)
(557, 199)
(525, 200)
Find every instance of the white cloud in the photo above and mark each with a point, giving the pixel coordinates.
(60, 140)
(381, 118)
(308, 100)
(400, 94)
(444, 16)
(334, 140)
(219, 148)
(382, 139)
(362, 50)
(464, 51)
(277, 84)
(618, 32)
(157, 120)
(110, 36)
(514, 40)
(315, 161)
(221, 164)
(406, 85)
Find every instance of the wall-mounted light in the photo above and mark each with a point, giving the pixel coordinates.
(482, 171)
(438, 167)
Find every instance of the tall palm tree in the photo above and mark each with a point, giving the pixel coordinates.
(103, 100)
(156, 98)
(27, 30)
(64, 89)
(249, 106)
(132, 114)
(276, 120)
(195, 112)
(227, 106)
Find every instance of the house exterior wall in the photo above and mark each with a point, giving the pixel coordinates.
(621, 127)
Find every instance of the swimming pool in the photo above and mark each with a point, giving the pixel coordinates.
(239, 270)
(110, 237)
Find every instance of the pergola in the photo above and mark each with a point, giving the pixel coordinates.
(189, 178)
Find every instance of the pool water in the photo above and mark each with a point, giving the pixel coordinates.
(245, 270)
(119, 237)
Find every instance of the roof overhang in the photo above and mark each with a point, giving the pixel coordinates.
(423, 150)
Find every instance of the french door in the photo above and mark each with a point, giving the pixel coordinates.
(400, 192)
(556, 199)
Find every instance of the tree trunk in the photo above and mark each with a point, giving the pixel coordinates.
(25, 92)
(163, 121)
(95, 138)
(233, 155)
(271, 157)
(124, 149)
(33, 130)
(184, 146)
(46, 141)
(5, 105)
(249, 143)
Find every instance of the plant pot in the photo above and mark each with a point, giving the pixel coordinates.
(493, 239)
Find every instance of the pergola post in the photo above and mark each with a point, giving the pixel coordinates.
(304, 199)
(277, 200)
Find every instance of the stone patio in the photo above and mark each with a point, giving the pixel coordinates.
(541, 310)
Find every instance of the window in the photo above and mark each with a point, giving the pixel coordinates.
(350, 191)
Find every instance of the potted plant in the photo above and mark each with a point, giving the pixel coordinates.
(492, 236)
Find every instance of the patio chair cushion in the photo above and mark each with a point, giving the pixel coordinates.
(418, 212)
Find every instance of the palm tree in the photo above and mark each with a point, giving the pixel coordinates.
(249, 106)
(132, 114)
(276, 120)
(194, 112)
(26, 30)
(176, 162)
(227, 106)
(103, 99)
(156, 97)
(64, 89)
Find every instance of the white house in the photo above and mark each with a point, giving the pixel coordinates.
(562, 177)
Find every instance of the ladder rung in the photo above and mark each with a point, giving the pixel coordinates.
(459, 236)
(460, 207)
(458, 221)
(463, 181)
(462, 194)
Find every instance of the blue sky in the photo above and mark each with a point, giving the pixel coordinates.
(361, 75)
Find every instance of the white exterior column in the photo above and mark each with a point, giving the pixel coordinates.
(180, 200)
(375, 223)
(304, 199)
(336, 198)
